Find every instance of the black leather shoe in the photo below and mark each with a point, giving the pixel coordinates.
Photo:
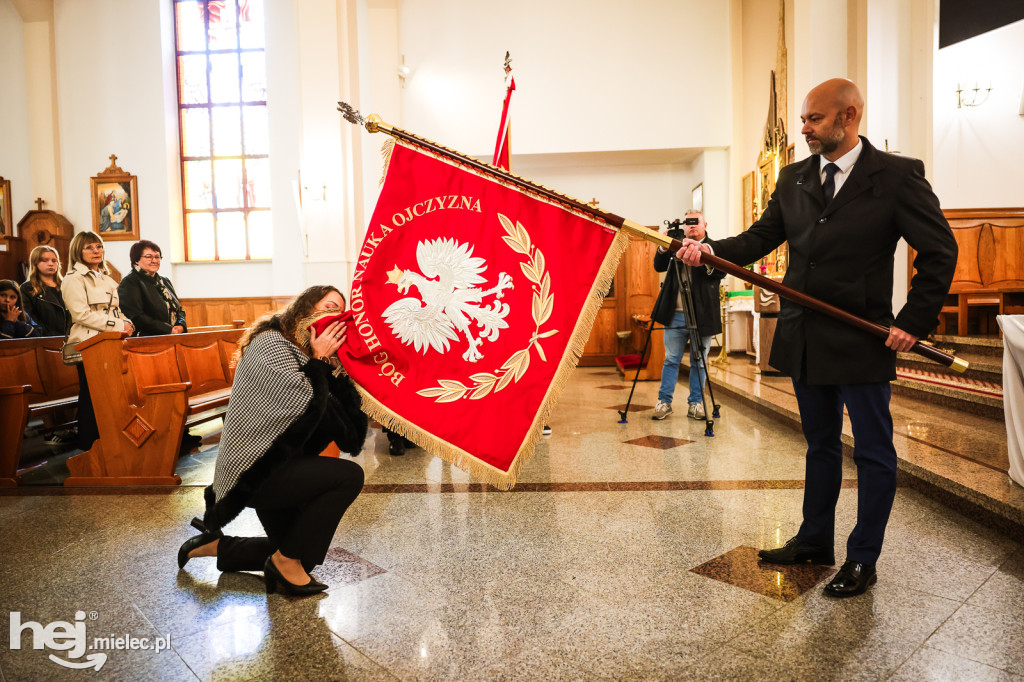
(204, 538)
(852, 579)
(273, 578)
(396, 446)
(796, 551)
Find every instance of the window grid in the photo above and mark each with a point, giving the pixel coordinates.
(247, 196)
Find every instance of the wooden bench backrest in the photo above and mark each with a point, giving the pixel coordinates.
(202, 359)
(991, 244)
(37, 363)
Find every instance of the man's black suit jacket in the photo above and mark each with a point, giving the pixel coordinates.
(843, 254)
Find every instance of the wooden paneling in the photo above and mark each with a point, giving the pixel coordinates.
(203, 312)
(991, 245)
(634, 292)
(990, 261)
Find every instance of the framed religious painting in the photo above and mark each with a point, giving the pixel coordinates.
(748, 200)
(6, 227)
(765, 185)
(115, 204)
(790, 156)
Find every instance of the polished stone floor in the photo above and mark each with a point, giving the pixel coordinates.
(627, 551)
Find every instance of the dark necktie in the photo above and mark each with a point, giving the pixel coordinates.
(830, 181)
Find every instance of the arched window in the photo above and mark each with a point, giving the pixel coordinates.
(222, 119)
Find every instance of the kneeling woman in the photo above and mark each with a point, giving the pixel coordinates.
(286, 406)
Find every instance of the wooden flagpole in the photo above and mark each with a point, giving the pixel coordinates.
(373, 124)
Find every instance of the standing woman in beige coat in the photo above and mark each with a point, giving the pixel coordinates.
(90, 295)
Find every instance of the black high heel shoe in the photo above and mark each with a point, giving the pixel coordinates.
(273, 578)
(206, 537)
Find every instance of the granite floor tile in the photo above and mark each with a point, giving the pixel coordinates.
(741, 567)
(528, 667)
(994, 638)
(582, 573)
(886, 614)
(932, 664)
(1002, 591)
(814, 659)
(295, 643)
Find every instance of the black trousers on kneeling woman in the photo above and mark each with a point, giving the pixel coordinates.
(300, 507)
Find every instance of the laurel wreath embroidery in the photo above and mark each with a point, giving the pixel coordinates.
(513, 369)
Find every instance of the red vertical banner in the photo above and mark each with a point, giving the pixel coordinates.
(471, 303)
(503, 143)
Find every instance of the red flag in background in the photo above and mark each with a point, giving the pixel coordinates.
(502, 144)
(471, 304)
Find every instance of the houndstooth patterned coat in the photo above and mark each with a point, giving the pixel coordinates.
(282, 405)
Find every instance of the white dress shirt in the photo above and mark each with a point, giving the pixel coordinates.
(845, 163)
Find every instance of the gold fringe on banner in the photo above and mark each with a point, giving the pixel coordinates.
(386, 151)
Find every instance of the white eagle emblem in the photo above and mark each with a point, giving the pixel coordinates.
(448, 302)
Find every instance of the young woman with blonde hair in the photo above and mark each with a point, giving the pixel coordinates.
(41, 292)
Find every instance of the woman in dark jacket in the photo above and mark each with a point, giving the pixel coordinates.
(288, 402)
(41, 292)
(148, 299)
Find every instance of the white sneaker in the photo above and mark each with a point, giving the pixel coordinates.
(696, 411)
(546, 431)
(661, 410)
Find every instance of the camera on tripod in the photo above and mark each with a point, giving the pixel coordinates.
(677, 232)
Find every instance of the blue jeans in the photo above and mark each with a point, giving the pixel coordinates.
(676, 337)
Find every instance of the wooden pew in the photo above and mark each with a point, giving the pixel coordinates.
(145, 391)
(35, 382)
(235, 324)
(989, 267)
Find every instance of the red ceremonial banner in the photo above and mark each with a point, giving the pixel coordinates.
(471, 303)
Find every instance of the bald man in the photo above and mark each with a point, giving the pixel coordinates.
(843, 211)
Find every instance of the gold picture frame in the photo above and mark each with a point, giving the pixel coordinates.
(115, 204)
(6, 218)
(748, 200)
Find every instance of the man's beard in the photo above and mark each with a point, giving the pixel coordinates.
(830, 141)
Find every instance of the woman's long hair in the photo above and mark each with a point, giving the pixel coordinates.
(35, 282)
(286, 321)
(78, 244)
(11, 285)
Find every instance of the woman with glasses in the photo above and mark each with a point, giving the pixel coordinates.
(147, 298)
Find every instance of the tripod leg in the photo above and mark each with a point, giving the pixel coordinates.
(698, 358)
(643, 354)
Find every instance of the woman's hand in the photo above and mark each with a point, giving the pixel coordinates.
(177, 329)
(11, 313)
(327, 344)
(129, 328)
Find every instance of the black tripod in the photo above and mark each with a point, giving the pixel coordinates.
(683, 276)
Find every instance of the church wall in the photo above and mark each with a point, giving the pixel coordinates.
(15, 158)
(978, 150)
(591, 76)
(111, 101)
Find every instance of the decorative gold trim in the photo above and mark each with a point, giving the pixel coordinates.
(960, 365)
(451, 390)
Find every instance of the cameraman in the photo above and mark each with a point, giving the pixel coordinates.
(668, 312)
